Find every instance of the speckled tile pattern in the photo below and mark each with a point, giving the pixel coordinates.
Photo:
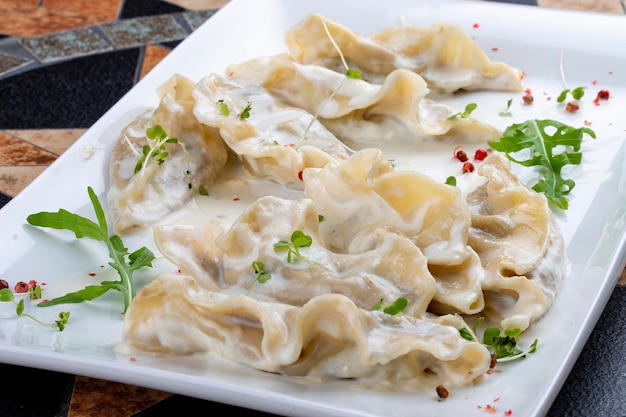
(66, 44)
(143, 30)
(10, 62)
(105, 47)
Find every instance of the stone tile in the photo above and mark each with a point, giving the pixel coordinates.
(9, 63)
(7, 6)
(14, 151)
(196, 18)
(42, 20)
(101, 11)
(198, 4)
(67, 44)
(55, 141)
(98, 398)
(152, 56)
(13, 179)
(602, 6)
(143, 30)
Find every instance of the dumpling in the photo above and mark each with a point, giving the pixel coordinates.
(273, 140)
(144, 197)
(328, 337)
(221, 260)
(364, 193)
(361, 113)
(444, 55)
(518, 241)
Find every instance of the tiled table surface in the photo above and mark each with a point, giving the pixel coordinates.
(63, 63)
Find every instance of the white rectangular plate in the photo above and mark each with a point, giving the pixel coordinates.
(528, 38)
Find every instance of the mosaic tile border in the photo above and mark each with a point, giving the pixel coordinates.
(23, 54)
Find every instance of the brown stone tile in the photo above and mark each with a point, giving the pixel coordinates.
(622, 280)
(54, 140)
(603, 6)
(99, 398)
(14, 151)
(153, 55)
(41, 20)
(17, 5)
(104, 11)
(198, 4)
(13, 179)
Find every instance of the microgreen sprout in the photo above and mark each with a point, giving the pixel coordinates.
(298, 240)
(223, 108)
(6, 295)
(577, 93)
(394, 308)
(465, 114)
(507, 111)
(83, 227)
(245, 113)
(261, 276)
(502, 344)
(351, 73)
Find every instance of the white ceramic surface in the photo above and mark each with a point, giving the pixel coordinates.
(594, 227)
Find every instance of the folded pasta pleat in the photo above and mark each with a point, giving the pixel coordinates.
(141, 198)
(273, 140)
(395, 110)
(327, 337)
(520, 246)
(444, 55)
(392, 267)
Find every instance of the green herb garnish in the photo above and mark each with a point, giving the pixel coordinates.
(503, 347)
(6, 295)
(223, 108)
(261, 276)
(158, 150)
(245, 113)
(535, 135)
(465, 114)
(506, 112)
(394, 308)
(298, 240)
(451, 180)
(576, 93)
(83, 227)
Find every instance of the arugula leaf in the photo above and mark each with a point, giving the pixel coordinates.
(535, 135)
(83, 227)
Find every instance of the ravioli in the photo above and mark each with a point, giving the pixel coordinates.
(221, 259)
(139, 199)
(377, 235)
(360, 113)
(275, 141)
(444, 55)
(521, 248)
(328, 337)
